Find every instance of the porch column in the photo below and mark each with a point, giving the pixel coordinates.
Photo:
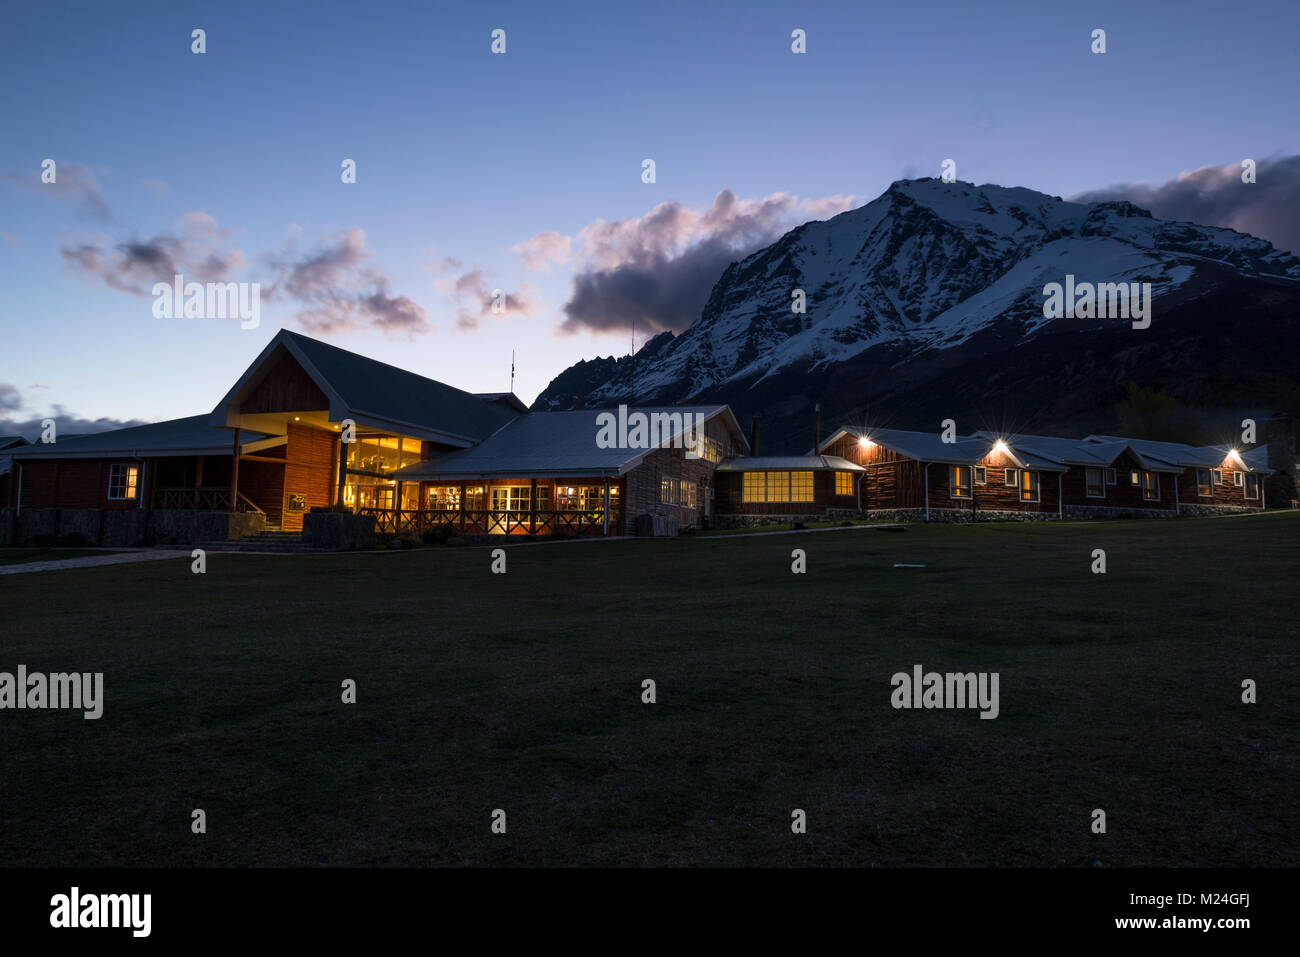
(198, 481)
(606, 512)
(234, 474)
(343, 468)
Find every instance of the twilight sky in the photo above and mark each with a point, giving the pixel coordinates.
(523, 171)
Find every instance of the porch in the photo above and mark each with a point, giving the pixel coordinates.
(562, 523)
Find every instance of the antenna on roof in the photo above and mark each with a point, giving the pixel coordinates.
(512, 371)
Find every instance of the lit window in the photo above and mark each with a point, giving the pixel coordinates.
(1134, 478)
(1150, 486)
(778, 486)
(755, 489)
(510, 498)
(801, 486)
(122, 481)
(1095, 483)
(1204, 488)
(843, 483)
(1028, 486)
(959, 481)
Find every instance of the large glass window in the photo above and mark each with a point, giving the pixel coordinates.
(510, 498)
(755, 487)
(1150, 486)
(1096, 482)
(382, 453)
(801, 486)
(843, 483)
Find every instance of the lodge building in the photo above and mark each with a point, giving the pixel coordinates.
(424, 457)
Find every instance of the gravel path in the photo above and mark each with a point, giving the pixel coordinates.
(91, 561)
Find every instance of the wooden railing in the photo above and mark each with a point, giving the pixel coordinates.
(202, 499)
(558, 522)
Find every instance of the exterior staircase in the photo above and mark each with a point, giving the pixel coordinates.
(270, 540)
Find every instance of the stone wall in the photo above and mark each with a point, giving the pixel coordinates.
(341, 531)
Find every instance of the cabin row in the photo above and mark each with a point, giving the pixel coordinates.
(310, 428)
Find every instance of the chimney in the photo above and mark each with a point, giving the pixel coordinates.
(817, 428)
(753, 437)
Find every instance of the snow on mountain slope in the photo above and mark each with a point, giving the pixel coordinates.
(927, 265)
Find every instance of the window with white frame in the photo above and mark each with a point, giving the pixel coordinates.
(1218, 476)
(1012, 477)
(1111, 477)
(959, 481)
(981, 475)
(510, 498)
(1095, 481)
(123, 481)
(1029, 489)
(1239, 479)
(1252, 485)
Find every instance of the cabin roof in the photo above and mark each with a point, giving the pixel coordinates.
(375, 393)
(549, 443)
(194, 435)
(802, 463)
(1189, 456)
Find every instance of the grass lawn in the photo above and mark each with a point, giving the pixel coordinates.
(22, 554)
(523, 692)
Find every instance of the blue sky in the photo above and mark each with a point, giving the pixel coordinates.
(230, 160)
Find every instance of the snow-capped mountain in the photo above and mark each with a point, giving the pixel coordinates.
(926, 280)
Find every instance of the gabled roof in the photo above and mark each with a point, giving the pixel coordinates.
(373, 393)
(195, 435)
(930, 447)
(782, 463)
(1178, 454)
(9, 441)
(558, 444)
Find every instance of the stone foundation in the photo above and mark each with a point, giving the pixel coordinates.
(124, 527)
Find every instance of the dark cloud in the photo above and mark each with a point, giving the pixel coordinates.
(338, 292)
(11, 400)
(478, 301)
(67, 423)
(1216, 196)
(196, 250)
(654, 273)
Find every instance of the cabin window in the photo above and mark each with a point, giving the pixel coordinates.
(801, 486)
(1028, 486)
(1095, 482)
(778, 486)
(668, 490)
(1218, 476)
(959, 481)
(123, 481)
(510, 498)
(1252, 486)
(1150, 486)
(755, 490)
(843, 483)
(1204, 486)
(1134, 477)
(1012, 477)
(1111, 477)
(981, 475)
(474, 498)
(708, 449)
(581, 498)
(442, 498)
(1239, 479)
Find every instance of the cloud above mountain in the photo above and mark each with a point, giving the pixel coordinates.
(654, 272)
(1216, 196)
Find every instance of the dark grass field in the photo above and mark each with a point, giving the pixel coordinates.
(523, 692)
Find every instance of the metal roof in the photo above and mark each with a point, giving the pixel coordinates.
(930, 447)
(789, 463)
(374, 393)
(548, 443)
(1191, 456)
(194, 435)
